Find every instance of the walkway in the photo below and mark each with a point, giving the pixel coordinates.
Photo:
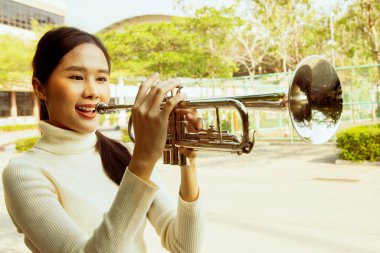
(279, 198)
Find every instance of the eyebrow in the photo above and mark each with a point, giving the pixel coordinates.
(78, 68)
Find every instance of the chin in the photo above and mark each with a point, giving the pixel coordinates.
(85, 128)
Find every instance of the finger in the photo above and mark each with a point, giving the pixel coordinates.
(194, 121)
(188, 152)
(157, 94)
(171, 103)
(185, 111)
(144, 87)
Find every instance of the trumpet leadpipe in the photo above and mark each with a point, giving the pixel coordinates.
(103, 108)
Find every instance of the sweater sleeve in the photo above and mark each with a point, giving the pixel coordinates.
(181, 228)
(34, 207)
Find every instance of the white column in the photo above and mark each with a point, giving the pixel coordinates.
(13, 106)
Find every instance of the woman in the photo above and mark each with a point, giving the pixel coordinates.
(79, 191)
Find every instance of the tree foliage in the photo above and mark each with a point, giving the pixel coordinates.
(186, 47)
(361, 21)
(290, 27)
(16, 57)
(249, 37)
(14, 60)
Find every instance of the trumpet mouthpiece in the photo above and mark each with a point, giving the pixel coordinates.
(101, 108)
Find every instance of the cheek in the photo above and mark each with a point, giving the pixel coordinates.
(61, 94)
(105, 93)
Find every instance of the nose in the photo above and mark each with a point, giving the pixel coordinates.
(90, 91)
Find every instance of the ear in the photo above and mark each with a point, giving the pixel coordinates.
(38, 89)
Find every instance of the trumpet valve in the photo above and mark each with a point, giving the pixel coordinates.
(166, 156)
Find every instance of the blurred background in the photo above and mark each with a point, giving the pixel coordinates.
(285, 196)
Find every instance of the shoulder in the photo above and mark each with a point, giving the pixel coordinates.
(20, 166)
(25, 159)
(24, 178)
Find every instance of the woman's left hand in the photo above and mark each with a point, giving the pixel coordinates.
(194, 124)
(189, 188)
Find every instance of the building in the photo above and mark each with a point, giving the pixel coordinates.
(16, 15)
(148, 18)
(17, 102)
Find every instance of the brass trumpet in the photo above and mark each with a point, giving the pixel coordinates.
(314, 102)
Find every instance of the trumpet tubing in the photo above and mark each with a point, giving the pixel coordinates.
(314, 103)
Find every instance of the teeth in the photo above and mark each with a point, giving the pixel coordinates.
(88, 109)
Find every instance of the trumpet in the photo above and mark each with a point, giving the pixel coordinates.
(314, 102)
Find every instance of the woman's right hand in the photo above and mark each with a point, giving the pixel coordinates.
(150, 123)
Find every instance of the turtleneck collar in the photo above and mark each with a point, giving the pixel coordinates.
(61, 141)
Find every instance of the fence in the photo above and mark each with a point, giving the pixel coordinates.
(360, 90)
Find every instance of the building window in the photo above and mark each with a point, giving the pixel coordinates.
(5, 104)
(20, 15)
(24, 102)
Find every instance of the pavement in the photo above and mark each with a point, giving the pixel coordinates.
(290, 198)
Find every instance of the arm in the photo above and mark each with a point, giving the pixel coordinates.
(189, 188)
(181, 231)
(181, 226)
(34, 206)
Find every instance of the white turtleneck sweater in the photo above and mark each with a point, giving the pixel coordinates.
(59, 196)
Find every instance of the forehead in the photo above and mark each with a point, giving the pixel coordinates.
(85, 55)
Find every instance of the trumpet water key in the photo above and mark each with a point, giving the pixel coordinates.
(314, 103)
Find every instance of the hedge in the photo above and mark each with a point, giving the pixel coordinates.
(25, 144)
(360, 143)
(17, 127)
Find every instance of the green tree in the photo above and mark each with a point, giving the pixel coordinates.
(360, 21)
(290, 24)
(15, 59)
(186, 47)
(251, 46)
(352, 23)
(146, 48)
(366, 13)
(215, 30)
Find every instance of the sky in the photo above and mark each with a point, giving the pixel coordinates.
(94, 15)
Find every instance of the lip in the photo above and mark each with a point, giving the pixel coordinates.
(86, 105)
(86, 115)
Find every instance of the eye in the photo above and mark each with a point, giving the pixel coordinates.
(102, 79)
(76, 77)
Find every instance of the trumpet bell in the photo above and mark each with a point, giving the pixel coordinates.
(315, 100)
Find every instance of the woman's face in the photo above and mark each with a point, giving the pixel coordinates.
(77, 84)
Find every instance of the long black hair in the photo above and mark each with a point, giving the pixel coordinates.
(51, 48)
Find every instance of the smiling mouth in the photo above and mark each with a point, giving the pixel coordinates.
(86, 111)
